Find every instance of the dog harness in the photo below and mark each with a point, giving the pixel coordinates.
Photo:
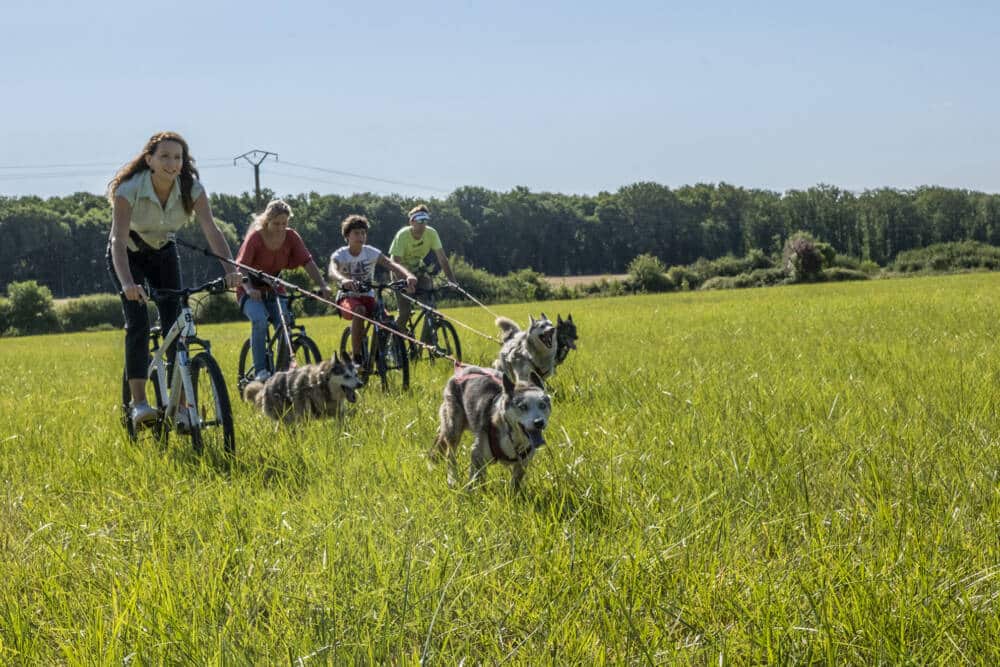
(493, 434)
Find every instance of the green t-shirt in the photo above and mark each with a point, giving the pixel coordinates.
(410, 250)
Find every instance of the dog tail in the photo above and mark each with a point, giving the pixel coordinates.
(508, 328)
(252, 390)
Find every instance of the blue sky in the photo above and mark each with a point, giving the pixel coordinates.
(573, 97)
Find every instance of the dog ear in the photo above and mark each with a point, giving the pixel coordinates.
(544, 316)
(537, 380)
(531, 320)
(558, 319)
(508, 386)
(569, 317)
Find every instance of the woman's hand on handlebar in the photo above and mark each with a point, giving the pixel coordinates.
(411, 284)
(134, 292)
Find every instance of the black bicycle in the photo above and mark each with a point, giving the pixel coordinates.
(434, 329)
(382, 351)
(304, 349)
(194, 399)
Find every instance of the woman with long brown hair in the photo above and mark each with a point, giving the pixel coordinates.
(152, 196)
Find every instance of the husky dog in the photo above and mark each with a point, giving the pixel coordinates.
(507, 420)
(315, 390)
(565, 337)
(527, 355)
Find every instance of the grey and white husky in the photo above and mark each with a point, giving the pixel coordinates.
(315, 390)
(527, 355)
(507, 421)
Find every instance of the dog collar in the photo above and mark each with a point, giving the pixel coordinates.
(499, 454)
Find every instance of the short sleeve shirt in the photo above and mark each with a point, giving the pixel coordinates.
(412, 251)
(356, 267)
(255, 254)
(151, 221)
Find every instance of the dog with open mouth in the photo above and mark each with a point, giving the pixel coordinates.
(527, 355)
(311, 391)
(507, 421)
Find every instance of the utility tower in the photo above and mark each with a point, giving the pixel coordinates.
(255, 157)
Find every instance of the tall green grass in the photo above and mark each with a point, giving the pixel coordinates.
(797, 474)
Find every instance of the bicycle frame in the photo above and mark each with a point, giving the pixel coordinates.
(184, 332)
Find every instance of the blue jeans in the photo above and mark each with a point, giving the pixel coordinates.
(259, 312)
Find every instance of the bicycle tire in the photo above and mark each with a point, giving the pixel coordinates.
(385, 365)
(214, 408)
(347, 351)
(304, 349)
(152, 389)
(246, 373)
(447, 340)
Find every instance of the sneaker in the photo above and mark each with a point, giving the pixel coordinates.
(183, 420)
(359, 361)
(142, 413)
(262, 376)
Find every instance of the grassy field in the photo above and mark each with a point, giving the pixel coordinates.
(795, 474)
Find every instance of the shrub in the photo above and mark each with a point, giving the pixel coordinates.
(212, 308)
(31, 309)
(869, 267)
(4, 315)
(684, 277)
(949, 257)
(525, 285)
(838, 273)
(647, 274)
(804, 257)
(91, 311)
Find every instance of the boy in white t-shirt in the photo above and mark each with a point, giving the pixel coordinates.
(354, 264)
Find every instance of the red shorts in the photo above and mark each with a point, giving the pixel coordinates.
(350, 303)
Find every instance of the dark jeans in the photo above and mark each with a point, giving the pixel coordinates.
(153, 268)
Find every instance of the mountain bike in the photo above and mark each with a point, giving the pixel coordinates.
(196, 387)
(383, 352)
(435, 330)
(304, 348)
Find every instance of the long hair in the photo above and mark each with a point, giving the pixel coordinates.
(274, 208)
(138, 164)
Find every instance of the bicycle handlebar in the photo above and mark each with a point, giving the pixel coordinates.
(217, 286)
(364, 285)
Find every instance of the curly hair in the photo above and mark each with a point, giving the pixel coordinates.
(138, 164)
(353, 222)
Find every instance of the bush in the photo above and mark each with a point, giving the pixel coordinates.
(949, 257)
(31, 309)
(838, 273)
(647, 274)
(91, 311)
(4, 315)
(684, 277)
(869, 267)
(804, 257)
(213, 308)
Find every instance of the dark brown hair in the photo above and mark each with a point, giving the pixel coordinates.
(353, 222)
(138, 164)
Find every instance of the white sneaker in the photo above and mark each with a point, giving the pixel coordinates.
(262, 376)
(142, 413)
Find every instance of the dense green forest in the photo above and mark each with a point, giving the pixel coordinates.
(60, 241)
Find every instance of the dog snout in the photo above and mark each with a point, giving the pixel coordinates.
(539, 423)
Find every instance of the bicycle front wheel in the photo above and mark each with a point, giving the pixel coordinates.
(212, 400)
(446, 340)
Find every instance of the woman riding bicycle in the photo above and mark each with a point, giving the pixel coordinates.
(351, 266)
(152, 197)
(270, 246)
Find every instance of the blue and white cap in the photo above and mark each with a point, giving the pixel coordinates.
(421, 216)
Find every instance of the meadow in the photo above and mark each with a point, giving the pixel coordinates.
(793, 474)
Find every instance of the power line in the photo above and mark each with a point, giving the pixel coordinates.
(91, 164)
(367, 178)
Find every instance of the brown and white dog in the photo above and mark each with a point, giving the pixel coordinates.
(315, 390)
(507, 421)
(527, 355)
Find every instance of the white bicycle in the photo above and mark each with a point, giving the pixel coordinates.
(197, 381)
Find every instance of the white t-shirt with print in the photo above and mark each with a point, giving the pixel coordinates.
(360, 267)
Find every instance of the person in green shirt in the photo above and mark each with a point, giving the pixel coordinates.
(410, 248)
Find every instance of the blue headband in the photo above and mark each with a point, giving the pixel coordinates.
(420, 216)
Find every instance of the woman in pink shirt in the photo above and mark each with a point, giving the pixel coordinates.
(270, 246)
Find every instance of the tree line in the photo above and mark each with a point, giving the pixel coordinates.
(60, 241)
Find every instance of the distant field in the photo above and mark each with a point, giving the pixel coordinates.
(573, 281)
(791, 475)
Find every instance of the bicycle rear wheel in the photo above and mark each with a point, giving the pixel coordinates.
(212, 400)
(304, 349)
(391, 360)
